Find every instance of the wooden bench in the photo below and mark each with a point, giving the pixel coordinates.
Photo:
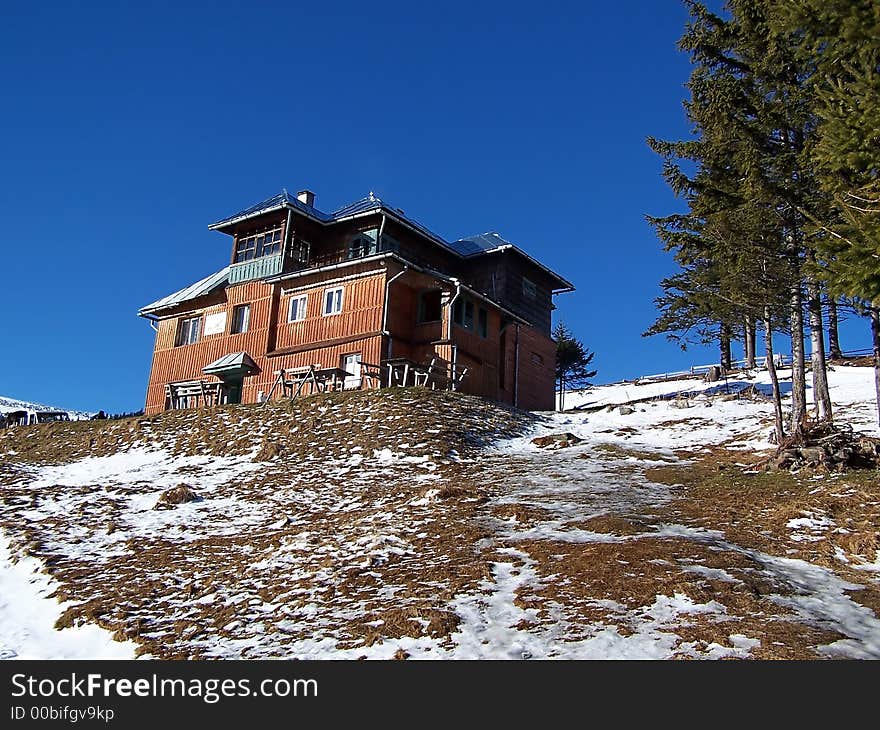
(186, 393)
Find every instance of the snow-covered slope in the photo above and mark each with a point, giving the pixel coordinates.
(424, 524)
(12, 404)
(851, 388)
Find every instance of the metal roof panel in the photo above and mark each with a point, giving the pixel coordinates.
(201, 287)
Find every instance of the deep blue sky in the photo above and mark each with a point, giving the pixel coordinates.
(127, 128)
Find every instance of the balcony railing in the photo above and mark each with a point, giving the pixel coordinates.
(255, 269)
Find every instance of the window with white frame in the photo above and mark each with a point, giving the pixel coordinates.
(296, 309)
(257, 244)
(332, 301)
(188, 330)
(241, 319)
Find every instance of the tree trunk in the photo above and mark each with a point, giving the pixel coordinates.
(724, 341)
(875, 341)
(774, 380)
(561, 394)
(798, 369)
(833, 331)
(750, 342)
(821, 396)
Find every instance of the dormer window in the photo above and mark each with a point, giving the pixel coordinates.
(257, 245)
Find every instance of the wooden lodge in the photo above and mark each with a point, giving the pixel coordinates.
(360, 298)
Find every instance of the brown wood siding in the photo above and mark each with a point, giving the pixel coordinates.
(362, 303)
(370, 349)
(536, 380)
(185, 362)
(500, 276)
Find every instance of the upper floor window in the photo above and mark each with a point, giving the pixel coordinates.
(257, 245)
(188, 330)
(361, 245)
(463, 312)
(299, 251)
(430, 304)
(529, 288)
(365, 244)
(296, 310)
(332, 301)
(241, 319)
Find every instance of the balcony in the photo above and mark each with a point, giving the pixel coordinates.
(258, 268)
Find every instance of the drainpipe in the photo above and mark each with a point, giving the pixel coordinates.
(387, 296)
(153, 325)
(516, 368)
(451, 302)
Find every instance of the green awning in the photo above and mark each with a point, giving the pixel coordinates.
(236, 363)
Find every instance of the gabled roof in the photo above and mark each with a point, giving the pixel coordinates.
(200, 288)
(276, 202)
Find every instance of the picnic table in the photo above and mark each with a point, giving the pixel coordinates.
(319, 379)
(400, 369)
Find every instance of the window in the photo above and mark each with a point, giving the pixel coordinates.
(296, 310)
(361, 245)
(429, 306)
(463, 312)
(271, 243)
(257, 245)
(483, 323)
(241, 319)
(463, 315)
(529, 288)
(188, 330)
(332, 301)
(537, 359)
(299, 251)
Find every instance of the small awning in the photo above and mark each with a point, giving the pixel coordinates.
(236, 363)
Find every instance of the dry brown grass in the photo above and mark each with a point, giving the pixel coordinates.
(634, 573)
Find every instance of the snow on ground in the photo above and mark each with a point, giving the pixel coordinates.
(848, 385)
(364, 548)
(28, 615)
(702, 411)
(13, 404)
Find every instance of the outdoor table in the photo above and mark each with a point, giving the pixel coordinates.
(320, 379)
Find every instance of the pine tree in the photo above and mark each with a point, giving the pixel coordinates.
(572, 362)
(842, 38)
(753, 187)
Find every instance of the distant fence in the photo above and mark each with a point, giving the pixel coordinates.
(779, 358)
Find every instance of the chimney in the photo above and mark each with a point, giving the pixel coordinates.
(307, 197)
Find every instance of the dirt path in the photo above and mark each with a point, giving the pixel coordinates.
(604, 560)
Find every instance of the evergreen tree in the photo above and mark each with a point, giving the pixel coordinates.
(842, 40)
(753, 125)
(572, 362)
